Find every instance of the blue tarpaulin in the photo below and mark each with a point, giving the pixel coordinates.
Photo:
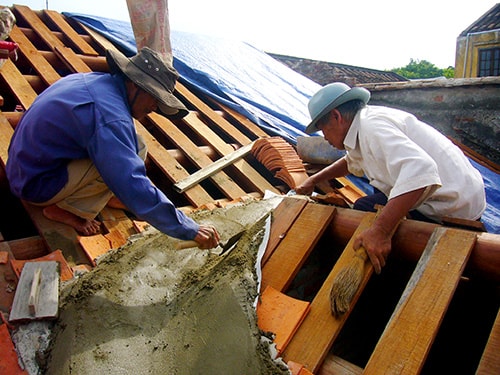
(254, 84)
(234, 73)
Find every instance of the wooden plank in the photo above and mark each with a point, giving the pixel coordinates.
(99, 39)
(38, 26)
(246, 171)
(13, 117)
(225, 184)
(43, 297)
(22, 90)
(455, 222)
(315, 336)
(75, 39)
(213, 116)
(292, 252)
(71, 60)
(213, 169)
(171, 167)
(352, 186)
(6, 133)
(490, 360)
(67, 55)
(34, 294)
(36, 59)
(28, 247)
(8, 281)
(283, 218)
(244, 121)
(57, 235)
(334, 365)
(408, 336)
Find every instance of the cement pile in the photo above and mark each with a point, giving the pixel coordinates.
(150, 309)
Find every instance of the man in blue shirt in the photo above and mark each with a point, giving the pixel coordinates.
(76, 150)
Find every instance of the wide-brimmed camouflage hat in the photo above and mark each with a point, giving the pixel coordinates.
(152, 73)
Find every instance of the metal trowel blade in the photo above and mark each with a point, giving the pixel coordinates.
(230, 242)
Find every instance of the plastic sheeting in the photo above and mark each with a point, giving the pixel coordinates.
(246, 79)
(254, 84)
(491, 217)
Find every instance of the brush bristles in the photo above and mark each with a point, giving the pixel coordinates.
(345, 285)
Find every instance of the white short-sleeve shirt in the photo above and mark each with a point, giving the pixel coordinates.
(399, 153)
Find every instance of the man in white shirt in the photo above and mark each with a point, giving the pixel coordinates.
(412, 165)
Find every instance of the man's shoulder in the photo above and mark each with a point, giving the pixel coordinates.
(82, 77)
(77, 81)
(380, 110)
(381, 115)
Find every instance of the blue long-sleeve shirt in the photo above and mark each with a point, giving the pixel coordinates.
(86, 116)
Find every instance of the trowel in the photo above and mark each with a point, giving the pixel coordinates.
(225, 245)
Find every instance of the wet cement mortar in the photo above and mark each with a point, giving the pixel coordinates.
(150, 309)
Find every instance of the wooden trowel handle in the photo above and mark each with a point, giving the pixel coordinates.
(186, 244)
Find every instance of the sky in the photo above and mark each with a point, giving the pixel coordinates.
(382, 34)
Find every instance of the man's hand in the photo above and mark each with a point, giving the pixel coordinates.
(306, 188)
(207, 237)
(377, 244)
(337, 169)
(377, 239)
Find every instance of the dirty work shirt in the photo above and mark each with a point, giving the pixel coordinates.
(86, 116)
(398, 154)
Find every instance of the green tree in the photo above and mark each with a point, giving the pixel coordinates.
(418, 69)
(449, 72)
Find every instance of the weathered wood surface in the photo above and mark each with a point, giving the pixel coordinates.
(295, 247)
(314, 338)
(214, 119)
(6, 133)
(36, 59)
(212, 168)
(197, 196)
(74, 38)
(245, 171)
(283, 218)
(412, 236)
(66, 54)
(57, 235)
(192, 152)
(408, 336)
(18, 84)
(490, 361)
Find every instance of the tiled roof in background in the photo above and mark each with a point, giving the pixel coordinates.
(324, 72)
(487, 22)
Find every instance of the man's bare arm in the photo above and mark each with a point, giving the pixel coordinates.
(377, 239)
